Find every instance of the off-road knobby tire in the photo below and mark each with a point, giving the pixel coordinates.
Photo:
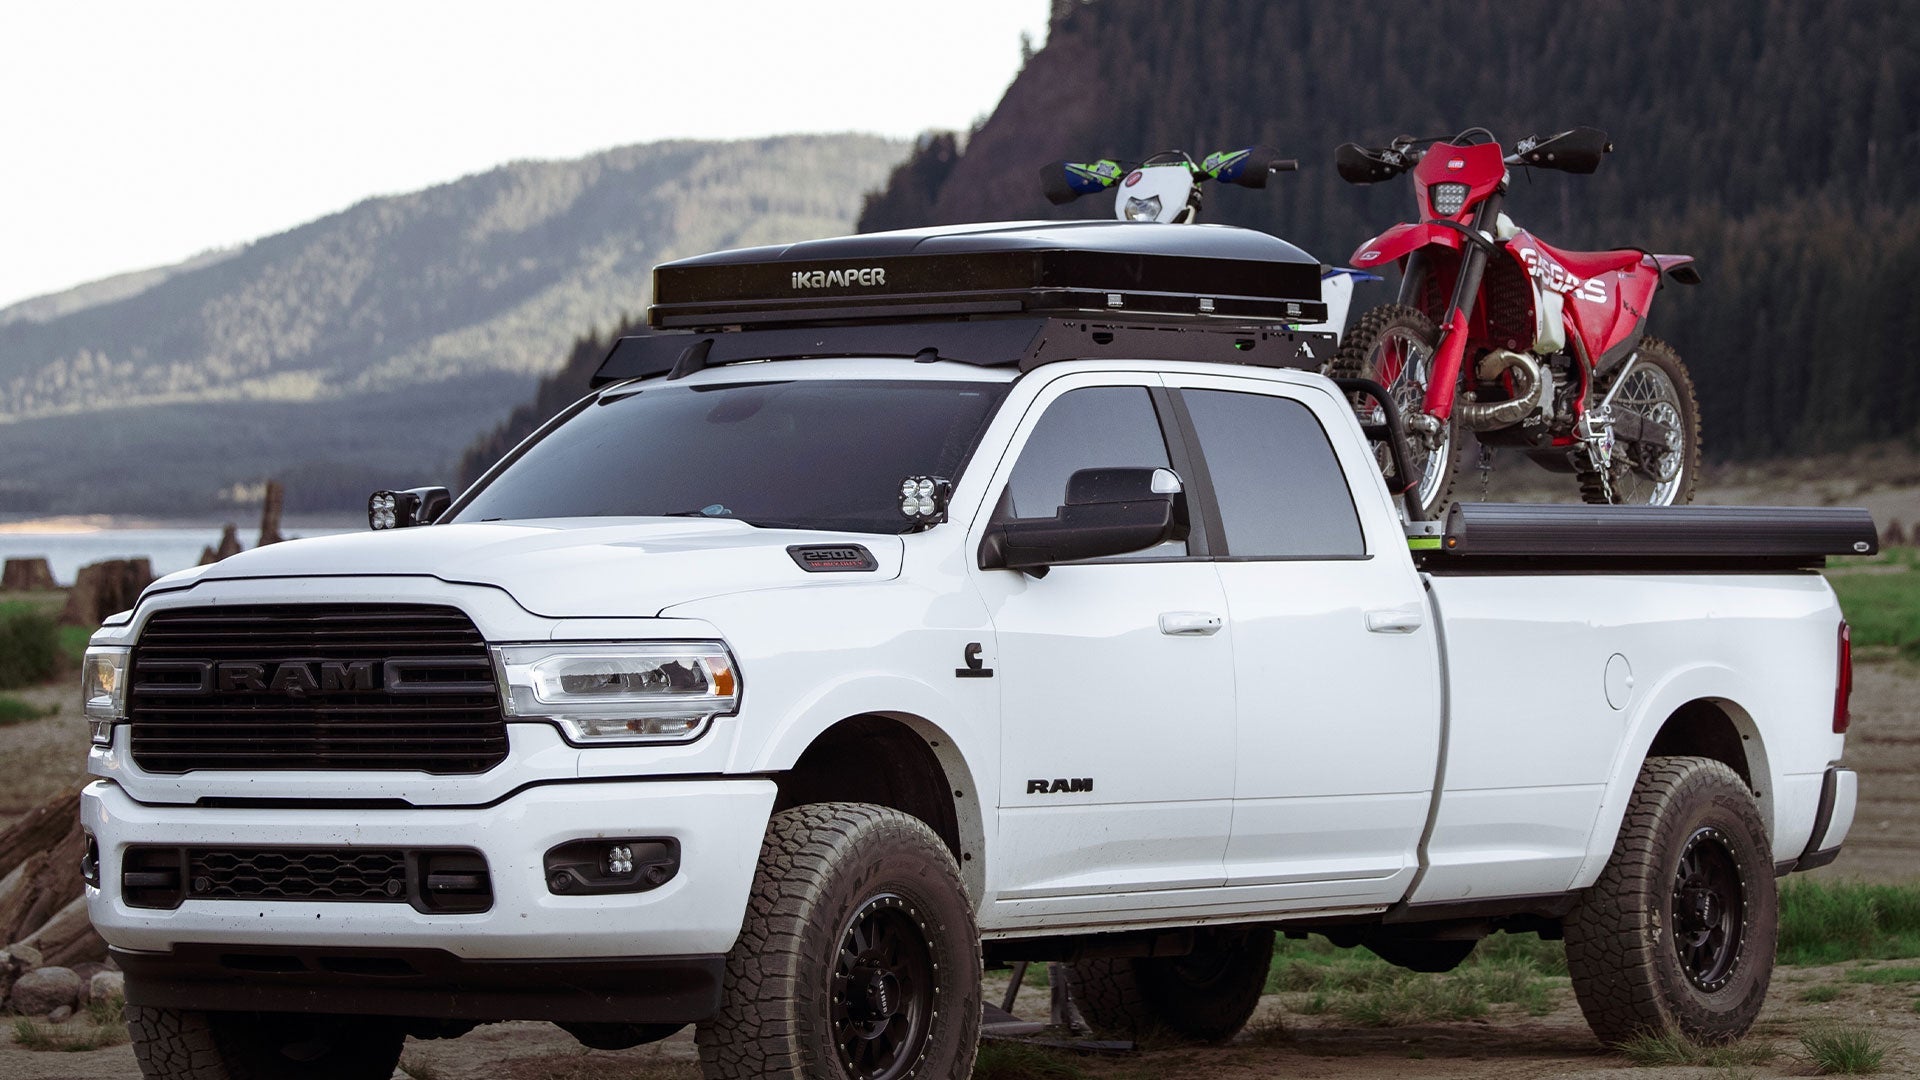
(1661, 355)
(1354, 360)
(819, 865)
(1620, 935)
(184, 1044)
(1206, 997)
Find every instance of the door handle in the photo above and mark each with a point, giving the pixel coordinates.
(1395, 621)
(1190, 623)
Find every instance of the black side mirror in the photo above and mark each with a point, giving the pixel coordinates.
(1576, 151)
(1108, 512)
(401, 509)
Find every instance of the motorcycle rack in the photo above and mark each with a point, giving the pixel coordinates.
(1405, 480)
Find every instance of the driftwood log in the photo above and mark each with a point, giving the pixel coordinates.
(103, 588)
(41, 890)
(26, 575)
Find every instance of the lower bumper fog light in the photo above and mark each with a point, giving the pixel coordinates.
(611, 865)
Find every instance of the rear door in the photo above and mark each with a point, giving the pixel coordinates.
(1116, 681)
(1335, 660)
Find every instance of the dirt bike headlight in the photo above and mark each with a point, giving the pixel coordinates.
(1147, 209)
(1448, 199)
(620, 693)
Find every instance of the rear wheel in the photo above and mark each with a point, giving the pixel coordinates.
(1204, 997)
(185, 1044)
(1394, 346)
(1678, 933)
(1647, 473)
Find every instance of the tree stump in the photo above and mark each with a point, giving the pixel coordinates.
(270, 514)
(103, 588)
(27, 575)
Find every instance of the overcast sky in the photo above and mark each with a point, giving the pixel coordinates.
(135, 134)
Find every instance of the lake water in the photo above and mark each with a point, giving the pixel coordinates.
(173, 547)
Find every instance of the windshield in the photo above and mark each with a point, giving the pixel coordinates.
(804, 454)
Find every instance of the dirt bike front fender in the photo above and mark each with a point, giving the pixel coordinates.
(1404, 239)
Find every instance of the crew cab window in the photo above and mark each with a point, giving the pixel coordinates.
(808, 454)
(1098, 427)
(1281, 492)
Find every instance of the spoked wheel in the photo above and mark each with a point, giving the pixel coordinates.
(1645, 473)
(1709, 909)
(858, 958)
(1394, 346)
(1678, 933)
(884, 990)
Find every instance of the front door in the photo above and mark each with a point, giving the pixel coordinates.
(1116, 682)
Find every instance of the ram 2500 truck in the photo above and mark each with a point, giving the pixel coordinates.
(1005, 592)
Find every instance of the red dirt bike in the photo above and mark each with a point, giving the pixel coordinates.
(1522, 344)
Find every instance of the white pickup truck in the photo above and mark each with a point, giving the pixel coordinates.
(888, 610)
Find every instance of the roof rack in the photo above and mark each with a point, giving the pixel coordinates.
(1022, 342)
(1087, 267)
(1007, 294)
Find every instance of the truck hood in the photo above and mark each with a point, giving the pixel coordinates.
(572, 568)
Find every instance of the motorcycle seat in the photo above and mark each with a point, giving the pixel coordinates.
(1588, 264)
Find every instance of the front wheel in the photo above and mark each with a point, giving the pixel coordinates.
(1394, 346)
(1678, 933)
(858, 958)
(1647, 472)
(185, 1044)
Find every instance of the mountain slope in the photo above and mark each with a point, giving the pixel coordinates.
(376, 341)
(1774, 139)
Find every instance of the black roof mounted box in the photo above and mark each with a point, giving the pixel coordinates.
(1110, 267)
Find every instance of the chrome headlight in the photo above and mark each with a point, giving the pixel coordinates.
(103, 691)
(1147, 209)
(620, 693)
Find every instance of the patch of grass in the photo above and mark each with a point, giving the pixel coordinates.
(1885, 976)
(71, 643)
(29, 646)
(1002, 1059)
(15, 711)
(1817, 994)
(1883, 607)
(100, 1025)
(1652, 1050)
(1844, 1050)
(1829, 922)
(1355, 984)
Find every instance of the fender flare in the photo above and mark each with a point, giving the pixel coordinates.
(1404, 239)
(1712, 682)
(954, 741)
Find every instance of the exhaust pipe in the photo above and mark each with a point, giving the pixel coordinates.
(1529, 387)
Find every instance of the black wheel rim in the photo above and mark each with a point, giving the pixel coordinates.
(885, 990)
(1709, 910)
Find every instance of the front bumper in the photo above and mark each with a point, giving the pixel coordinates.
(719, 825)
(426, 983)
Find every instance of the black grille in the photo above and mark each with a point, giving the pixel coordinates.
(434, 880)
(314, 686)
(297, 874)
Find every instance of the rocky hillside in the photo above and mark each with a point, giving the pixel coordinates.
(369, 346)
